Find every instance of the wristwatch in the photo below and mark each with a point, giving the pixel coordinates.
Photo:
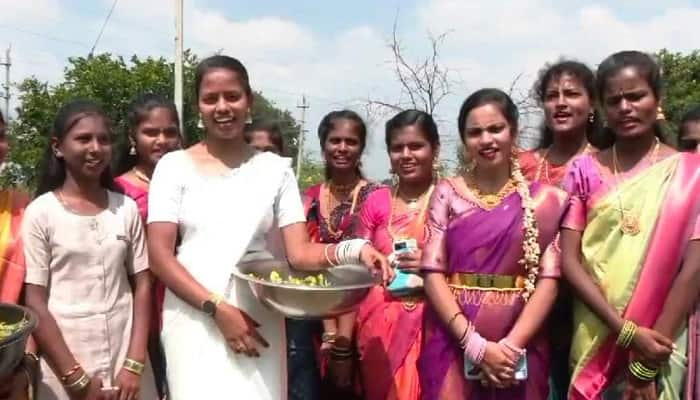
(210, 305)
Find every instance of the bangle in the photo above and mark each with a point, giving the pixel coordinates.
(508, 345)
(626, 336)
(642, 372)
(79, 384)
(328, 337)
(133, 366)
(69, 373)
(454, 317)
(328, 258)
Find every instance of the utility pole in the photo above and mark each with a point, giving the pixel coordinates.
(300, 139)
(178, 62)
(6, 87)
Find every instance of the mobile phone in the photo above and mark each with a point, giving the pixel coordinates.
(473, 372)
(405, 246)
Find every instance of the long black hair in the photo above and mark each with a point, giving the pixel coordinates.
(53, 171)
(647, 68)
(482, 97)
(421, 119)
(139, 110)
(583, 74)
(328, 124)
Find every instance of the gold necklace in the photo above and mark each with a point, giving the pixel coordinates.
(629, 223)
(489, 201)
(331, 188)
(544, 165)
(425, 196)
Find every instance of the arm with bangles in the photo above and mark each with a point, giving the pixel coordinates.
(651, 344)
(55, 350)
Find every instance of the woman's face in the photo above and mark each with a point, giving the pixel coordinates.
(488, 137)
(690, 141)
(86, 149)
(3, 143)
(224, 104)
(411, 155)
(567, 105)
(261, 140)
(630, 104)
(343, 147)
(155, 136)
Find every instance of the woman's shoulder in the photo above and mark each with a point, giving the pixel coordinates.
(122, 202)
(550, 194)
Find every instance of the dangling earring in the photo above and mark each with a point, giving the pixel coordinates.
(591, 117)
(394, 178)
(58, 154)
(660, 114)
(249, 118)
(200, 124)
(132, 149)
(436, 169)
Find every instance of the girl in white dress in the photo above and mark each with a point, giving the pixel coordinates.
(222, 198)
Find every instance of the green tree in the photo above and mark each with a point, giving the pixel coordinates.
(114, 83)
(312, 172)
(681, 74)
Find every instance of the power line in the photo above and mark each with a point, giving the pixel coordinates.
(45, 36)
(111, 10)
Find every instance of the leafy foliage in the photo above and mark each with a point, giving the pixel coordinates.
(681, 74)
(114, 83)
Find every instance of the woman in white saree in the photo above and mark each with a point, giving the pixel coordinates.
(222, 198)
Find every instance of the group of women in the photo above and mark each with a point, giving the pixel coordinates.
(530, 274)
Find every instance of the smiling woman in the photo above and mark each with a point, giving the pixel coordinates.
(87, 269)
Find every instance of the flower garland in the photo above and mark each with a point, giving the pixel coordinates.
(531, 247)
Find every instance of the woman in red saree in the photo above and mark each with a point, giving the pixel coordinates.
(332, 213)
(631, 238)
(390, 321)
(153, 131)
(566, 93)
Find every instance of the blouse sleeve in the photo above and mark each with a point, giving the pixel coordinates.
(137, 241)
(165, 192)
(576, 183)
(434, 252)
(36, 246)
(374, 214)
(550, 262)
(288, 206)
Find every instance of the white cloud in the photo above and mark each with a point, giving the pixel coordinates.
(34, 11)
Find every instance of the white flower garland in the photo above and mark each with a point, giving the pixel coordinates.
(531, 247)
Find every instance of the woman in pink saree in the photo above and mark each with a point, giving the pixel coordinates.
(491, 264)
(390, 321)
(630, 240)
(153, 131)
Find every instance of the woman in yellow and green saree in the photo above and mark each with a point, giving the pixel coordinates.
(630, 239)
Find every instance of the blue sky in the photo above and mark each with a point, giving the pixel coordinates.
(335, 52)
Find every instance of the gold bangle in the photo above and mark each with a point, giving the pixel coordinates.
(66, 376)
(133, 366)
(642, 372)
(79, 384)
(627, 333)
(329, 337)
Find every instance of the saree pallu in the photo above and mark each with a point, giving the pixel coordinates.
(635, 272)
(464, 238)
(12, 267)
(389, 328)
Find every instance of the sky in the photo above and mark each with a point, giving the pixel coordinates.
(336, 53)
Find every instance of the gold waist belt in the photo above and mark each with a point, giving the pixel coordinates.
(486, 281)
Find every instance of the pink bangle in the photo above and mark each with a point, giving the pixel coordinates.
(475, 347)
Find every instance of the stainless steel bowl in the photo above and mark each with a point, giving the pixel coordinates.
(349, 285)
(12, 347)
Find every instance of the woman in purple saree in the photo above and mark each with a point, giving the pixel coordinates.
(491, 266)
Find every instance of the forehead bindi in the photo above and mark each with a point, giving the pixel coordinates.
(628, 79)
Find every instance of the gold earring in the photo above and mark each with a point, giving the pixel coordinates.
(436, 169)
(249, 118)
(591, 117)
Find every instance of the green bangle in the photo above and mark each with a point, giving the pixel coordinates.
(642, 372)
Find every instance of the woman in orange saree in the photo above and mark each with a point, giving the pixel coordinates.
(12, 268)
(631, 238)
(390, 321)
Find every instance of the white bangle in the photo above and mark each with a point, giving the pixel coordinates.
(328, 259)
(348, 251)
